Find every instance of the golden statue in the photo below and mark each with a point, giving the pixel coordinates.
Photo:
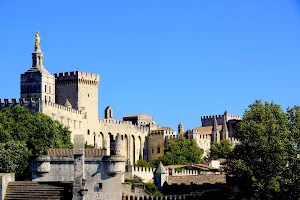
(37, 41)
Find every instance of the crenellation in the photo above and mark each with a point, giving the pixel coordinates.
(61, 107)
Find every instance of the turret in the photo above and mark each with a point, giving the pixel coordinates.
(160, 176)
(67, 103)
(116, 161)
(180, 128)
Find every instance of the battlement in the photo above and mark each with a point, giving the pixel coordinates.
(28, 103)
(233, 139)
(77, 76)
(185, 172)
(124, 123)
(172, 137)
(61, 107)
(143, 169)
(211, 117)
(169, 197)
(229, 116)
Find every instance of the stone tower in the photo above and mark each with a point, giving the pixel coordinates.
(180, 128)
(81, 90)
(37, 82)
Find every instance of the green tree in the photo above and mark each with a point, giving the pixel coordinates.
(32, 134)
(222, 149)
(260, 163)
(182, 151)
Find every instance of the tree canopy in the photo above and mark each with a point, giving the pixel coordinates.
(23, 134)
(222, 149)
(264, 165)
(181, 152)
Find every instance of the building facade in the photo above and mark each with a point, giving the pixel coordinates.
(72, 99)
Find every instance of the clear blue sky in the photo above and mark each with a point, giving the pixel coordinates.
(175, 60)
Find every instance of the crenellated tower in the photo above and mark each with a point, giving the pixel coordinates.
(37, 82)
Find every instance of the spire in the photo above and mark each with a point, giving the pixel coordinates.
(37, 57)
(160, 169)
(67, 103)
(225, 128)
(216, 135)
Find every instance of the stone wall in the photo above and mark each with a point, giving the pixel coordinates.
(5, 179)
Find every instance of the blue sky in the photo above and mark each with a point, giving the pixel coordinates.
(175, 60)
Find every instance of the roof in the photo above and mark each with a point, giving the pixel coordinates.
(197, 166)
(67, 103)
(200, 179)
(136, 115)
(160, 169)
(206, 130)
(69, 152)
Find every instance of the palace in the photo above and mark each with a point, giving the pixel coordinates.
(72, 99)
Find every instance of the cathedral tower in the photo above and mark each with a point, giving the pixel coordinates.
(37, 82)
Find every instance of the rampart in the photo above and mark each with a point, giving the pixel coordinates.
(87, 77)
(184, 172)
(32, 105)
(169, 197)
(123, 124)
(230, 116)
(61, 107)
(145, 173)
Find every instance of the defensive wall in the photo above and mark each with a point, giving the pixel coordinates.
(209, 119)
(170, 197)
(145, 173)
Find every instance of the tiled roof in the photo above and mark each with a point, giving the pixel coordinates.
(206, 130)
(69, 152)
(200, 179)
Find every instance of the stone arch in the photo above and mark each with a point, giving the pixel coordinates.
(140, 148)
(101, 140)
(126, 146)
(53, 116)
(62, 119)
(133, 150)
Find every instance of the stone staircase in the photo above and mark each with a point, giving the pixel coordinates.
(23, 190)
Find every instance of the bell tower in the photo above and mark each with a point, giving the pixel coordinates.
(37, 82)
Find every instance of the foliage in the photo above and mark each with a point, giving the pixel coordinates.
(153, 190)
(150, 187)
(89, 146)
(28, 134)
(143, 163)
(263, 164)
(222, 149)
(181, 152)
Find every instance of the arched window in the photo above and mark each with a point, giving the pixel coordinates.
(158, 149)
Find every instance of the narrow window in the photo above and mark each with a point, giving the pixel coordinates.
(74, 124)
(49, 89)
(34, 89)
(49, 98)
(27, 89)
(158, 150)
(152, 151)
(88, 131)
(45, 88)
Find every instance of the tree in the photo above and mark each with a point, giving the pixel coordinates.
(28, 134)
(182, 151)
(260, 166)
(221, 149)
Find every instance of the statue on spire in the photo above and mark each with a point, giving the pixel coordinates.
(37, 41)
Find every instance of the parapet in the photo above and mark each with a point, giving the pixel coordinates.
(168, 197)
(185, 172)
(124, 123)
(143, 169)
(22, 102)
(211, 117)
(61, 107)
(77, 76)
